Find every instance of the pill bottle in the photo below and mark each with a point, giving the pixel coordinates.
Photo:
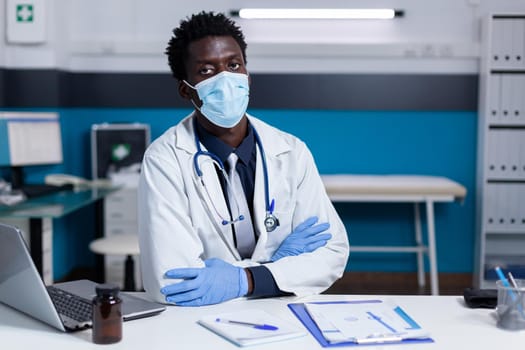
(107, 314)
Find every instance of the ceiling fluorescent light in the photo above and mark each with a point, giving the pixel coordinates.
(268, 13)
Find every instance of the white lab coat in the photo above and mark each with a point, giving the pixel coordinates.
(179, 227)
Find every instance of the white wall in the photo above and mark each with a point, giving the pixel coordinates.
(441, 36)
(30, 55)
(2, 34)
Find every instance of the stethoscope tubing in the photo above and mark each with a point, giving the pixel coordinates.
(213, 156)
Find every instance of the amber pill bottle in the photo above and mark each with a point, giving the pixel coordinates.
(107, 314)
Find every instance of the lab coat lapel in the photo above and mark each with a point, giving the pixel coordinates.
(273, 145)
(259, 211)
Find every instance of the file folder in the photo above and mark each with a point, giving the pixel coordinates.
(300, 311)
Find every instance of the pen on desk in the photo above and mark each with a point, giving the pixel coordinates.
(380, 320)
(262, 326)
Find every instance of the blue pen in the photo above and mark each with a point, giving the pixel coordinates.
(380, 320)
(507, 286)
(505, 282)
(262, 326)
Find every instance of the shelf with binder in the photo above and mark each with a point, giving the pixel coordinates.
(507, 104)
(503, 205)
(507, 49)
(505, 156)
(501, 148)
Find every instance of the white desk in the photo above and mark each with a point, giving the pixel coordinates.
(452, 326)
(400, 188)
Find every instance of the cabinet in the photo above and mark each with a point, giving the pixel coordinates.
(117, 151)
(501, 150)
(120, 217)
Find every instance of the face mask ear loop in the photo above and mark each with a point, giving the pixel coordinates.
(195, 105)
(191, 99)
(191, 86)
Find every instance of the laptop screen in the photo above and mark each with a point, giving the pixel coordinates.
(21, 287)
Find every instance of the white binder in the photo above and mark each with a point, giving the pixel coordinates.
(498, 43)
(518, 42)
(494, 95)
(506, 98)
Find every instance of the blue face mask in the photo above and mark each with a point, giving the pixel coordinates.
(224, 98)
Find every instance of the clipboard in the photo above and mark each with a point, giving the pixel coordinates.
(302, 314)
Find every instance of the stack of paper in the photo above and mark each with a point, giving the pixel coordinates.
(359, 322)
(250, 327)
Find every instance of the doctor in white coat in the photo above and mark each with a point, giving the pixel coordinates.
(192, 249)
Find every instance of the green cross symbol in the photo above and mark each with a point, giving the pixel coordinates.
(120, 151)
(24, 13)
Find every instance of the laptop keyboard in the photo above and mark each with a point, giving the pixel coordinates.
(70, 305)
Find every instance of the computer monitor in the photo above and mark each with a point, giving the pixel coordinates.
(27, 139)
(118, 148)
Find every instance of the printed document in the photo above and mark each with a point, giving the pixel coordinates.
(372, 321)
(250, 327)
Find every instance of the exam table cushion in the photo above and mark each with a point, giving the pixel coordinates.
(345, 184)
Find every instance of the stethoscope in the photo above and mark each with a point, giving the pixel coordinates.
(270, 221)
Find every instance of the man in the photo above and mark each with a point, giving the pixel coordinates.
(228, 205)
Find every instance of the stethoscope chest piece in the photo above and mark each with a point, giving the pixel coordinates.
(270, 222)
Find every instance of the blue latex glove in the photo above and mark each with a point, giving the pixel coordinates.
(215, 283)
(306, 238)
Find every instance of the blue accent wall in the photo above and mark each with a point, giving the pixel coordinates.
(440, 143)
(5, 158)
(424, 143)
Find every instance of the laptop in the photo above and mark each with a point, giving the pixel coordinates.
(65, 306)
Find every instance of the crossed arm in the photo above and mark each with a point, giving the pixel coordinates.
(219, 281)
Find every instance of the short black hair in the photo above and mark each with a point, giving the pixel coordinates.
(197, 27)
